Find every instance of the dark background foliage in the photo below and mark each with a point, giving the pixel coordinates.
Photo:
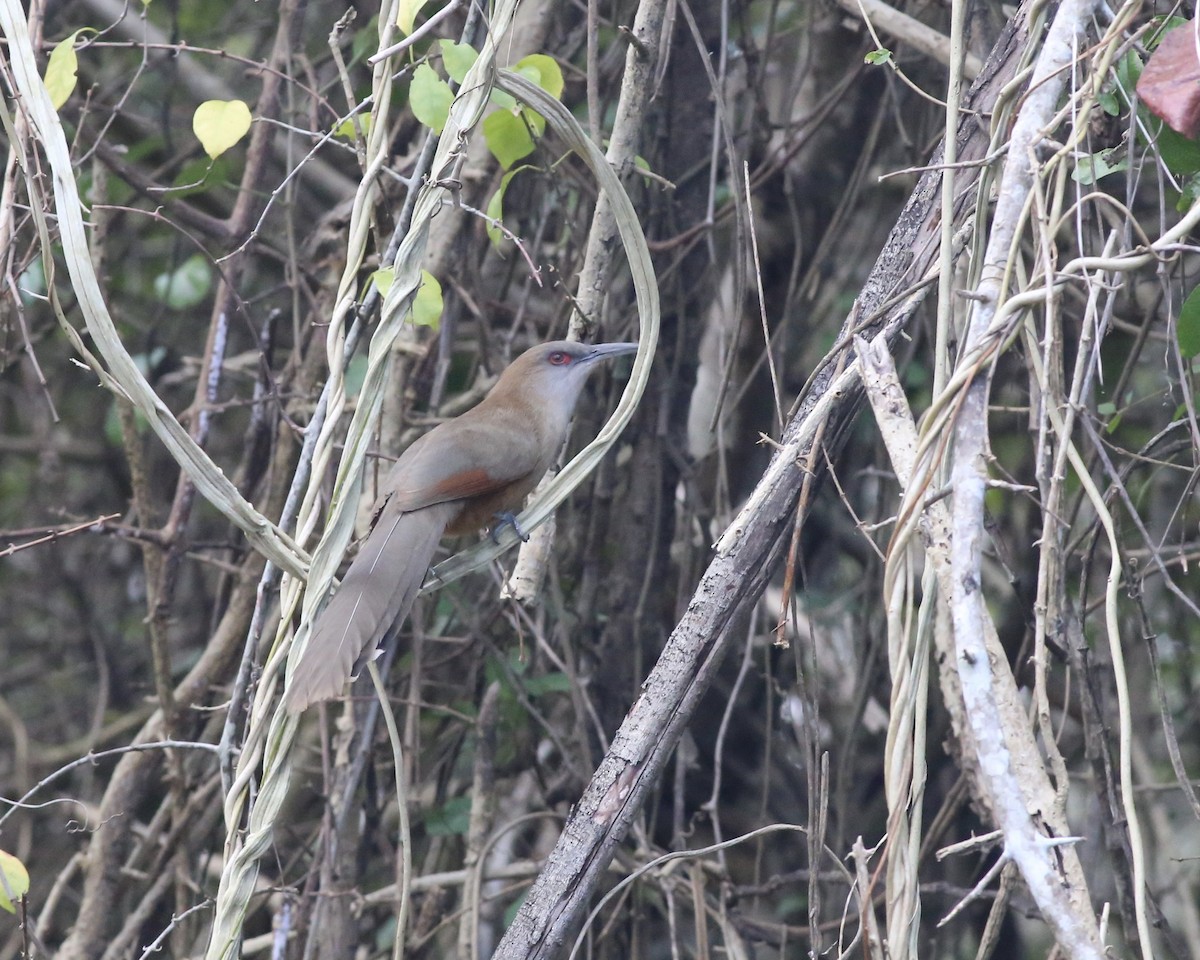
(127, 558)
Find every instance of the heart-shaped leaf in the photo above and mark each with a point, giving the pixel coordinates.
(544, 71)
(427, 304)
(406, 14)
(346, 129)
(383, 280)
(430, 97)
(219, 124)
(507, 137)
(14, 881)
(62, 69)
(507, 131)
(458, 58)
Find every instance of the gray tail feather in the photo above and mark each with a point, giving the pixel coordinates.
(378, 589)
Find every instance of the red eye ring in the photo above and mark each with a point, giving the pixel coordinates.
(559, 358)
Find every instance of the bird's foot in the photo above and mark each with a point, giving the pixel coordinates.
(508, 519)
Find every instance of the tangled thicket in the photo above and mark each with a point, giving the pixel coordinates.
(916, 628)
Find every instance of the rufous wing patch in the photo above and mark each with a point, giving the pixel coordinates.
(466, 483)
(457, 486)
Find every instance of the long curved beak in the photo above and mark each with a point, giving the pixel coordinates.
(602, 351)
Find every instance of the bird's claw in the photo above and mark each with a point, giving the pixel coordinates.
(508, 519)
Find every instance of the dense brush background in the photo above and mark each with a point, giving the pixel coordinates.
(788, 734)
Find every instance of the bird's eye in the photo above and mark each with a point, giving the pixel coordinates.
(559, 358)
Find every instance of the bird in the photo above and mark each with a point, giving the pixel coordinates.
(463, 475)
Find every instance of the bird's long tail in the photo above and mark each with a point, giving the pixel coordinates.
(378, 590)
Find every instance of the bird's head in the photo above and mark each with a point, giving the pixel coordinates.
(556, 371)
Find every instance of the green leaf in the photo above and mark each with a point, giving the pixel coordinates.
(507, 137)
(14, 881)
(383, 279)
(186, 285)
(878, 57)
(1125, 76)
(507, 131)
(1094, 166)
(547, 683)
(505, 101)
(1128, 71)
(1189, 193)
(356, 374)
(1162, 26)
(112, 425)
(219, 124)
(32, 282)
(495, 207)
(1187, 330)
(451, 819)
(427, 304)
(346, 131)
(1181, 155)
(511, 911)
(62, 70)
(494, 669)
(198, 174)
(1108, 410)
(406, 14)
(366, 40)
(150, 360)
(544, 71)
(458, 58)
(430, 97)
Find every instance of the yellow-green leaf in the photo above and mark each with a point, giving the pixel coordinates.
(1187, 330)
(198, 175)
(14, 881)
(345, 129)
(505, 101)
(406, 14)
(427, 304)
(507, 131)
(61, 70)
(430, 97)
(536, 68)
(219, 124)
(383, 279)
(495, 208)
(507, 137)
(458, 58)
(544, 71)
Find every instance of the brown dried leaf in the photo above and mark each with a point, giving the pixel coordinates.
(1170, 83)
